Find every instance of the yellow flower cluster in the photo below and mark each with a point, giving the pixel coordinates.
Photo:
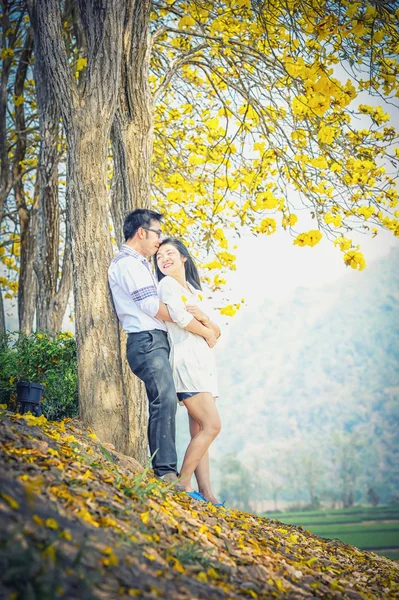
(310, 238)
(289, 220)
(230, 310)
(267, 226)
(333, 219)
(354, 259)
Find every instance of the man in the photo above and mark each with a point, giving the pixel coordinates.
(134, 291)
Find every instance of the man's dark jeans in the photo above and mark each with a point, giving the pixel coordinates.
(148, 356)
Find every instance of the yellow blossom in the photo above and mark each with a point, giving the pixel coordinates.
(331, 219)
(81, 64)
(10, 500)
(145, 517)
(229, 310)
(289, 220)
(186, 22)
(18, 100)
(51, 524)
(310, 238)
(355, 260)
(267, 226)
(6, 53)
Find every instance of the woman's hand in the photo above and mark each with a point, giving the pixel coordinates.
(197, 313)
(210, 337)
(211, 341)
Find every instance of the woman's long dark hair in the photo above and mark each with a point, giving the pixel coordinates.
(191, 270)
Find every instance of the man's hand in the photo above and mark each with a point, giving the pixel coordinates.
(197, 313)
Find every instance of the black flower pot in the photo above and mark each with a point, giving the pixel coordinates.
(29, 396)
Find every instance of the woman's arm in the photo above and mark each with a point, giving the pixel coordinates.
(171, 295)
(203, 318)
(195, 326)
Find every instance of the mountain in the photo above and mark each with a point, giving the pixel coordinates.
(309, 390)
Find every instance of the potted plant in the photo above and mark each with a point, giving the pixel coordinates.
(29, 374)
(19, 353)
(30, 364)
(6, 371)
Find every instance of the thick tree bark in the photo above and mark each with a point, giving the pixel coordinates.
(133, 129)
(87, 113)
(103, 405)
(132, 143)
(52, 291)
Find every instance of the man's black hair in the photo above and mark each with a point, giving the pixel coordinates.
(141, 217)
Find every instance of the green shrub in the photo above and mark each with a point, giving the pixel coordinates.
(46, 359)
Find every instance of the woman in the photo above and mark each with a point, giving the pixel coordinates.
(192, 359)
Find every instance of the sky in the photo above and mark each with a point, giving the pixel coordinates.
(271, 267)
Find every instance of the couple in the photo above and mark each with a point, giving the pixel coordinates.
(169, 346)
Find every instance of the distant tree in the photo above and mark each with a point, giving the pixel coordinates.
(346, 460)
(373, 497)
(235, 484)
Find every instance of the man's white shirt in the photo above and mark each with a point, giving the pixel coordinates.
(134, 291)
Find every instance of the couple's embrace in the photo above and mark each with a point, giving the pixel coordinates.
(169, 347)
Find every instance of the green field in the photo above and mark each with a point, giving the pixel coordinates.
(368, 528)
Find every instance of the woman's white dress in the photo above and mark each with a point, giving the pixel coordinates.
(192, 360)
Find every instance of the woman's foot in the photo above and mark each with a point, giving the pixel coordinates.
(209, 497)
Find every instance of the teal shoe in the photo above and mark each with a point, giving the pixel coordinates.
(202, 496)
(218, 504)
(196, 496)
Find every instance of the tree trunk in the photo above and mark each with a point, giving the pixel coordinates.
(87, 113)
(58, 301)
(52, 291)
(5, 175)
(2, 315)
(132, 130)
(101, 396)
(132, 142)
(108, 392)
(27, 280)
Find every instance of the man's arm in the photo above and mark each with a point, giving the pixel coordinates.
(163, 313)
(195, 326)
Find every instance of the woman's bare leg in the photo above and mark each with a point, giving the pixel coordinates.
(202, 409)
(202, 473)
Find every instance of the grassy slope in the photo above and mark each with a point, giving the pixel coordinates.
(79, 520)
(366, 527)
